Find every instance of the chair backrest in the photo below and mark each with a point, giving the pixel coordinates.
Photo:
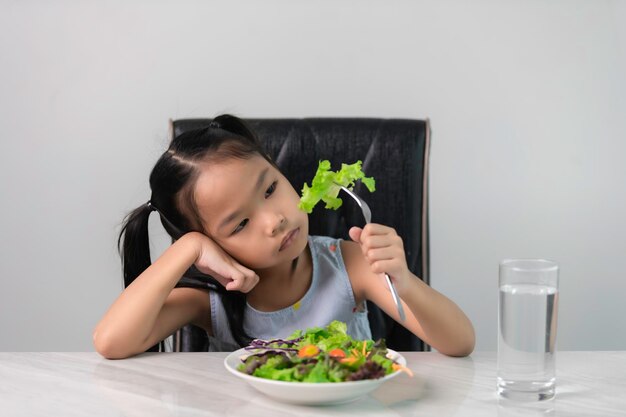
(394, 151)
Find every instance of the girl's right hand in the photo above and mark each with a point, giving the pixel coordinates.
(213, 260)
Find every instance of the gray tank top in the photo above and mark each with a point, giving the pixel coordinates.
(329, 298)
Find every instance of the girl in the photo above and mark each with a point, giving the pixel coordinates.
(234, 216)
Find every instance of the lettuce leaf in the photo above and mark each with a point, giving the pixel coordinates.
(365, 359)
(326, 185)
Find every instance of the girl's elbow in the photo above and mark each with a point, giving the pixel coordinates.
(466, 347)
(459, 351)
(466, 340)
(461, 347)
(108, 348)
(465, 350)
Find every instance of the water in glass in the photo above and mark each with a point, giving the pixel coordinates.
(526, 341)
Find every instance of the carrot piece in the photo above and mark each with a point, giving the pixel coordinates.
(350, 360)
(398, 367)
(337, 353)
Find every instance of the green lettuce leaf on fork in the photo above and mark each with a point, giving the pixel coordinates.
(326, 185)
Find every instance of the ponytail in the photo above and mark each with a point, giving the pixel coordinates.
(134, 247)
(133, 243)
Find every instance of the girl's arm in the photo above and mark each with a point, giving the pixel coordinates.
(431, 316)
(150, 309)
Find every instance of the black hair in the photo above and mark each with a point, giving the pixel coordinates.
(172, 181)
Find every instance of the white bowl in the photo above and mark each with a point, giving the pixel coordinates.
(310, 393)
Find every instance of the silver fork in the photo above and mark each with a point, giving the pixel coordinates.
(367, 213)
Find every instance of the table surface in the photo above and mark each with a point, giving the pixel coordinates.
(197, 384)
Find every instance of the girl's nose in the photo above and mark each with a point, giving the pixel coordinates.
(276, 223)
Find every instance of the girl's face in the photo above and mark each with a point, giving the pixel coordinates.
(251, 210)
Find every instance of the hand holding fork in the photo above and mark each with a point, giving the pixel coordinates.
(367, 214)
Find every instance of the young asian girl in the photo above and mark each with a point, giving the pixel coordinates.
(234, 218)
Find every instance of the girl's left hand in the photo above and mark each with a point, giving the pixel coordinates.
(384, 250)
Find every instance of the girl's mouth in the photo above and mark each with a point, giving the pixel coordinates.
(288, 240)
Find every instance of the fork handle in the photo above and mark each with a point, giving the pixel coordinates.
(396, 298)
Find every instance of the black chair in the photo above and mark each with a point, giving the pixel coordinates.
(394, 151)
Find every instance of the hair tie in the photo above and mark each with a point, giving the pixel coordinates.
(149, 204)
(214, 125)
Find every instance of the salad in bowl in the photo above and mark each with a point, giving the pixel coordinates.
(316, 366)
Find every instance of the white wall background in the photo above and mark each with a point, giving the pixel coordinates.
(527, 101)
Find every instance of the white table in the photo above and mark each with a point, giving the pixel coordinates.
(196, 384)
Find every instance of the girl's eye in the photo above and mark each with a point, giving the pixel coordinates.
(270, 190)
(240, 226)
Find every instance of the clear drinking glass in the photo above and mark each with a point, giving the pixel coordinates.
(527, 319)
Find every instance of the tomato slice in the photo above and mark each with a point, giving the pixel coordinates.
(308, 351)
(337, 353)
